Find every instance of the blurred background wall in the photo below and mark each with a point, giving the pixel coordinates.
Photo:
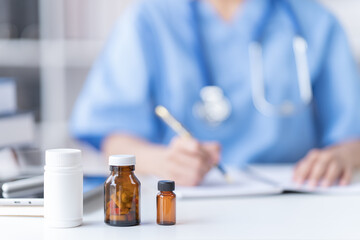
(48, 46)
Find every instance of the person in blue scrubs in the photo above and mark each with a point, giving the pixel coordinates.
(152, 58)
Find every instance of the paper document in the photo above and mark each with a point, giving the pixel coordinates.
(258, 180)
(281, 176)
(214, 185)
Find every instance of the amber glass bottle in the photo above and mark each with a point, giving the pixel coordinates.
(122, 192)
(166, 203)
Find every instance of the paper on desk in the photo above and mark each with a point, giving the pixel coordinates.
(214, 185)
(281, 176)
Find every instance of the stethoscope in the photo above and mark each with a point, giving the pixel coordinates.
(214, 107)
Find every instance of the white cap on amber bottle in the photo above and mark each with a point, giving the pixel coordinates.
(122, 160)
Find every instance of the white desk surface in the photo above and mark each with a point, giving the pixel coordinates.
(290, 216)
(287, 216)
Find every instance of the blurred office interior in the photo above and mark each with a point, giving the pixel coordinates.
(48, 47)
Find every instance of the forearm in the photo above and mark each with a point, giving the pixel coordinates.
(148, 155)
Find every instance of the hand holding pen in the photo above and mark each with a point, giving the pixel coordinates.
(188, 161)
(203, 156)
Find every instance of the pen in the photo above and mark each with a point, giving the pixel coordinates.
(166, 116)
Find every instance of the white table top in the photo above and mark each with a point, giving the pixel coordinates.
(288, 216)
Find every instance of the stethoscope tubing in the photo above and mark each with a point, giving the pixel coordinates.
(256, 61)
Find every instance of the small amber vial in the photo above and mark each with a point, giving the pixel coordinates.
(122, 192)
(166, 203)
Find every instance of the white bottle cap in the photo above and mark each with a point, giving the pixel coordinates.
(62, 157)
(121, 160)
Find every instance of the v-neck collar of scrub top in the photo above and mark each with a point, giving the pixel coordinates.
(245, 19)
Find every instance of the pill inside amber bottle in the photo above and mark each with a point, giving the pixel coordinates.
(166, 203)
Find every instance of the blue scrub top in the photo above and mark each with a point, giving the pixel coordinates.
(150, 59)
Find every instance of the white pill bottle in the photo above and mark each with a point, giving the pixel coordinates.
(63, 188)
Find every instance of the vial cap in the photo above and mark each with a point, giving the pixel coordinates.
(62, 157)
(166, 185)
(122, 160)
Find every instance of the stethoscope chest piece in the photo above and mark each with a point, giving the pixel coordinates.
(214, 108)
